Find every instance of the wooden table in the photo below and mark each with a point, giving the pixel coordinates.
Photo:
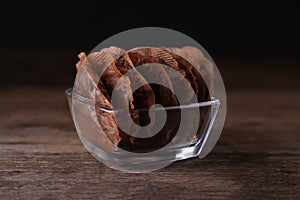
(257, 156)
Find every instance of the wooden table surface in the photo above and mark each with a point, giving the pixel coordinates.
(257, 156)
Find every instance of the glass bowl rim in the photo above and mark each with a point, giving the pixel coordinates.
(70, 93)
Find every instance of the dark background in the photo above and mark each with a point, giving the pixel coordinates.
(39, 41)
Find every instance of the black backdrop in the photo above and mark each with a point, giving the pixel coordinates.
(48, 30)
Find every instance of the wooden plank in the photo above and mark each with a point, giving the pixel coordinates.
(257, 156)
(218, 176)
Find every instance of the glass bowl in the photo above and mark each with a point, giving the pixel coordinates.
(190, 140)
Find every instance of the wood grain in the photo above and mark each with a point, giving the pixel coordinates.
(257, 156)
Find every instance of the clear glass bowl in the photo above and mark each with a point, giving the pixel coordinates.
(186, 144)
